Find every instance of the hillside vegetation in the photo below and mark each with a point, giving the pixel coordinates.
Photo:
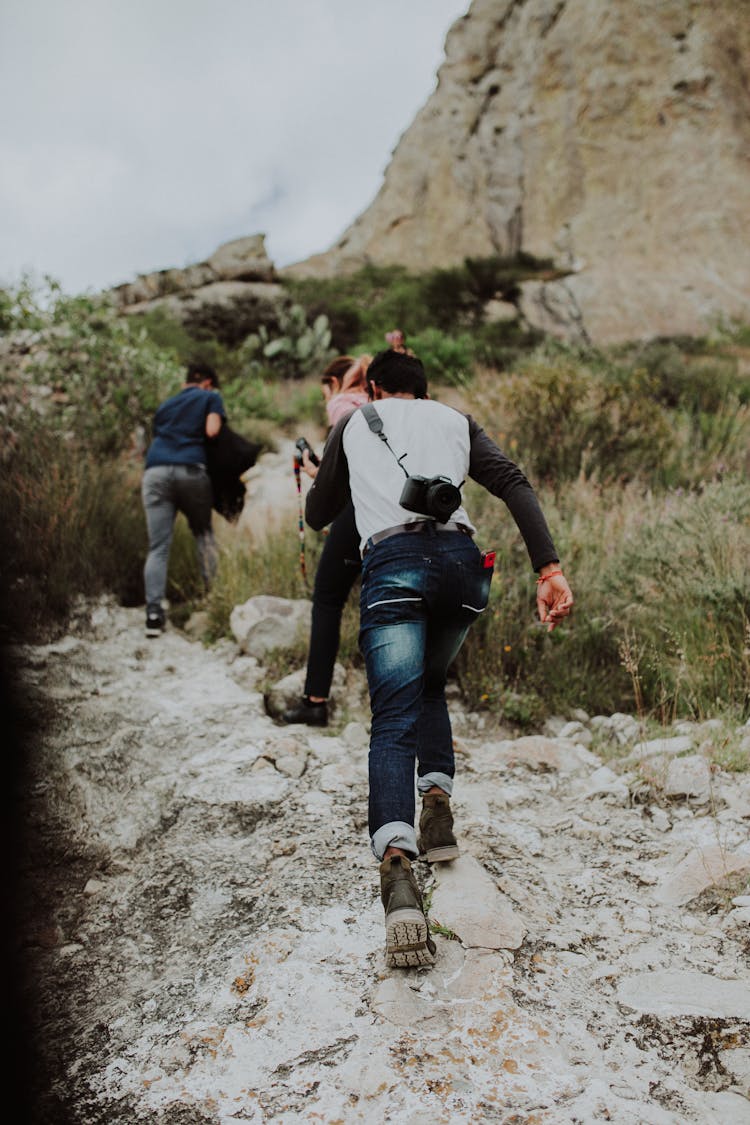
(640, 455)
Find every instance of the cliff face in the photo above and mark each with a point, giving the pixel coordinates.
(614, 138)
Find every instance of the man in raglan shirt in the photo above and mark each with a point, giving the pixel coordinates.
(424, 581)
(176, 479)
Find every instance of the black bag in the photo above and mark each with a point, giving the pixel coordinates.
(228, 456)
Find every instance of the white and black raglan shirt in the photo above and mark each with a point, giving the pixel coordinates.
(428, 439)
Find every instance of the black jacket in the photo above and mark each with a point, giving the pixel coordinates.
(228, 456)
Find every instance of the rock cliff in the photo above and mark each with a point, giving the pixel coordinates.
(614, 138)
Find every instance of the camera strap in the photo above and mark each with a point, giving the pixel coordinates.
(375, 422)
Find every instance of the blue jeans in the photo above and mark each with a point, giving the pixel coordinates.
(421, 592)
(165, 491)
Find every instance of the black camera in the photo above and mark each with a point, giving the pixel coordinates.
(431, 496)
(300, 446)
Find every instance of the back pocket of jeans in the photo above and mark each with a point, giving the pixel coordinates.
(475, 586)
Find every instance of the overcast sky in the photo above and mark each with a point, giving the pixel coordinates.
(137, 136)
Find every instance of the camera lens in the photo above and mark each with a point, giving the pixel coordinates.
(442, 500)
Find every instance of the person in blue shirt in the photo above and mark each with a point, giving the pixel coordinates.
(176, 480)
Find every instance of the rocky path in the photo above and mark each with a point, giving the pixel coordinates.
(205, 938)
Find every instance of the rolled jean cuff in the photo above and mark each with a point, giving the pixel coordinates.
(440, 779)
(395, 834)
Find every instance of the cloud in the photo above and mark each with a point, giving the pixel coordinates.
(143, 135)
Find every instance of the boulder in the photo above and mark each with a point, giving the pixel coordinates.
(243, 259)
(700, 869)
(266, 622)
(287, 691)
(688, 777)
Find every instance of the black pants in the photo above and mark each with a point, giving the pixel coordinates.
(337, 572)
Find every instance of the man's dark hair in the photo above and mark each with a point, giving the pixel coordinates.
(197, 372)
(397, 373)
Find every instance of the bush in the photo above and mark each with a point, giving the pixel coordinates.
(363, 306)
(70, 524)
(501, 344)
(106, 374)
(662, 615)
(254, 398)
(456, 297)
(447, 359)
(566, 420)
(684, 376)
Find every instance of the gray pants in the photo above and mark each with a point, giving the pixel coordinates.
(167, 490)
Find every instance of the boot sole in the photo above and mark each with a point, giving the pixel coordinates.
(154, 631)
(441, 855)
(407, 939)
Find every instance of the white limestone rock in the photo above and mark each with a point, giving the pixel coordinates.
(539, 753)
(700, 869)
(265, 622)
(467, 902)
(658, 747)
(672, 993)
(688, 777)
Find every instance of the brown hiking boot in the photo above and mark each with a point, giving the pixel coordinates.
(407, 937)
(436, 840)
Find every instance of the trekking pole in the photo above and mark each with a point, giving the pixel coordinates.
(301, 520)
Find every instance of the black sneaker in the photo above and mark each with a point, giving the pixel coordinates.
(314, 714)
(155, 621)
(436, 842)
(407, 936)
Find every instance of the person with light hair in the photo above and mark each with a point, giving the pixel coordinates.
(344, 388)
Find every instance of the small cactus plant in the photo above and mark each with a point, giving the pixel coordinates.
(300, 349)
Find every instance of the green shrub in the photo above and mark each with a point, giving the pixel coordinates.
(108, 377)
(363, 306)
(683, 580)
(254, 398)
(688, 373)
(661, 622)
(566, 421)
(457, 296)
(502, 343)
(447, 359)
(382, 297)
(170, 335)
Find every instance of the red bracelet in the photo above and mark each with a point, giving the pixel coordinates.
(552, 574)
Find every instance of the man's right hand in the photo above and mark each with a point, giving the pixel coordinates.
(554, 598)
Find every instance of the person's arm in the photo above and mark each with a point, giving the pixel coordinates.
(490, 467)
(329, 491)
(215, 415)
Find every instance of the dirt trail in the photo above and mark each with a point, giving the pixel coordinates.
(204, 937)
